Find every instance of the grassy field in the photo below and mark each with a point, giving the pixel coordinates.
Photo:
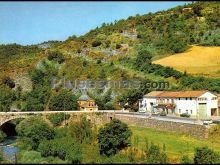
(176, 144)
(198, 60)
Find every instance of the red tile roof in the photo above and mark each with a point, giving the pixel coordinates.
(175, 94)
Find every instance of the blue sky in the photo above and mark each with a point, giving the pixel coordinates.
(34, 22)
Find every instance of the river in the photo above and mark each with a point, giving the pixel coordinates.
(8, 149)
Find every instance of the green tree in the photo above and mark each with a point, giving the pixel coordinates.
(34, 130)
(7, 96)
(113, 137)
(63, 100)
(82, 131)
(143, 58)
(155, 156)
(58, 118)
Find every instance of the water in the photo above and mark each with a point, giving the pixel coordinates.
(8, 150)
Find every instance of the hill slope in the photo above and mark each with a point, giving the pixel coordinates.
(197, 60)
(116, 51)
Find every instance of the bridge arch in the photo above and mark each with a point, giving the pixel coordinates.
(7, 118)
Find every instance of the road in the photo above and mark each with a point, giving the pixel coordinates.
(118, 112)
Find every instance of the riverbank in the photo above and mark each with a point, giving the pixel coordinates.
(9, 149)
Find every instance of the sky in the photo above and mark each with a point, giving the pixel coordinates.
(29, 23)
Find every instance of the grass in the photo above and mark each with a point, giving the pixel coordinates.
(198, 60)
(176, 144)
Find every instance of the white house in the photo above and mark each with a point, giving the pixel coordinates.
(200, 104)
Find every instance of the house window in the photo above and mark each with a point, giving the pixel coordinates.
(190, 98)
(191, 111)
(179, 110)
(187, 111)
(186, 98)
(202, 98)
(214, 98)
(179, 98)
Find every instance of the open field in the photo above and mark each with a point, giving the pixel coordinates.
(176, 144)
(198, 60)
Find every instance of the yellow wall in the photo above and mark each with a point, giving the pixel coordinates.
(88, 105)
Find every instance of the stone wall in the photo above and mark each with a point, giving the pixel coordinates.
(101, 118)
(197, 131)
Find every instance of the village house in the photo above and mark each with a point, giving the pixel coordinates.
(201, 104)
(86, 103)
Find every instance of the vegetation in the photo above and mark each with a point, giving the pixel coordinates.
(7, 96)
(58, 118)
(82, 131)
(56, 56)
(194, 61)
(2, 136)
(204, 155)
(113, 137)
(63, 100)
(9, 82)
(155, 156)
(34, 130)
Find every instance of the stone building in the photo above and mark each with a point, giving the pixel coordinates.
(86, 103)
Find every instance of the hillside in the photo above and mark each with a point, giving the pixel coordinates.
(197, 60)
(121, 50)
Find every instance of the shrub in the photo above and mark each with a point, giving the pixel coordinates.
(118, 46)
(58, 118)
(186, 160)
(9, 82)
(113, 137)
(96, 43)
(64, 148)
(204, 155)
(2, 136)
(56, 56)
(155, 156)
(184, 115)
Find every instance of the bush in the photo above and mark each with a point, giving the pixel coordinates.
(9, 82)
(58, 118)
(113, 137)
(186, 160)
(204, 155)
(64, 148)
(56, 56)
(184, 115)
(2, 136)
(118, 46)
(155, 156)
(96, 43)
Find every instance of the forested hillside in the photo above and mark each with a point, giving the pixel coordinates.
(122, 50)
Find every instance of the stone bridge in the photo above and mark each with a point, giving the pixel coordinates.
(132, 119)
(7, 116)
